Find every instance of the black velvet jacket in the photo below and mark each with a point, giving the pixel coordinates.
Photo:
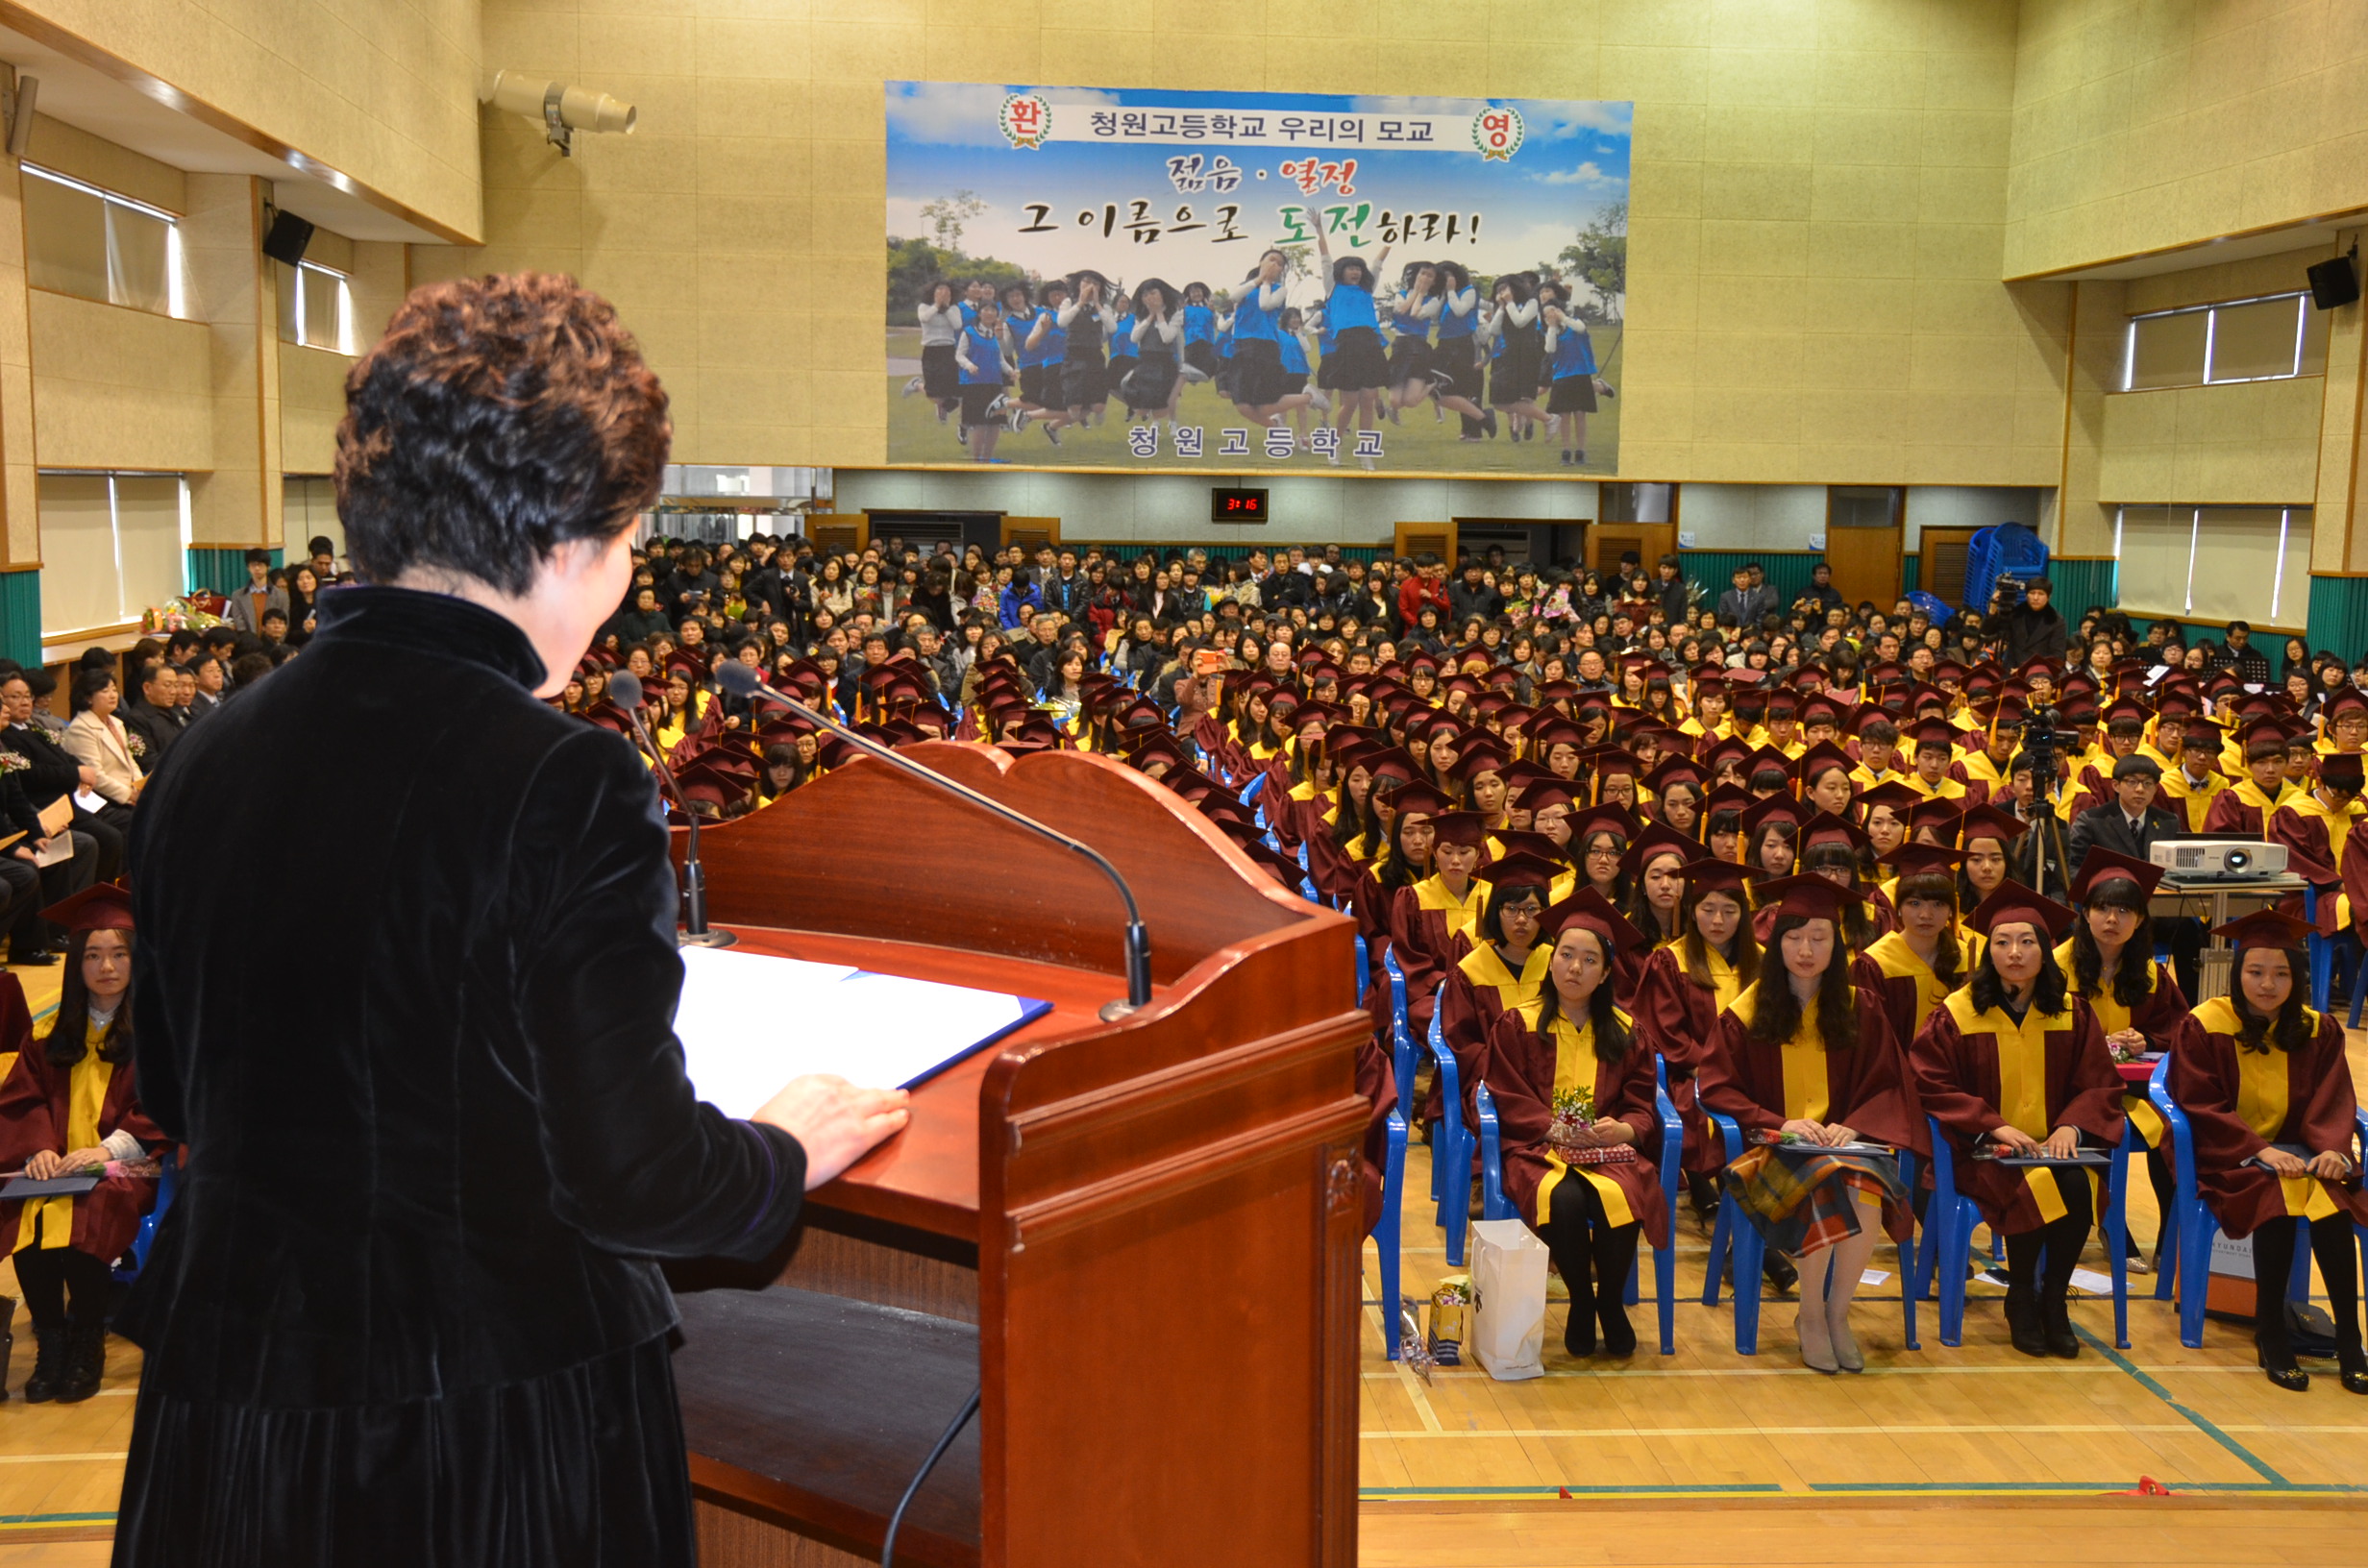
(434, 1110)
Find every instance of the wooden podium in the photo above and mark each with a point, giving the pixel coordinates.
(1140, 1238)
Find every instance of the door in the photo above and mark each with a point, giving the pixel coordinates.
(835, 534)
(1426, 539)
(1940, 563)
(1028, 532)
(1607, 542)
(1863, 531)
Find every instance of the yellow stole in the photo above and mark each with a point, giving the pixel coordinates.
(2112, 1017)
(2263, 1100)
(1808, 1094)
(2022, 1080)
(1898, 962)
(1485, 966)
(1463, 914)
(52, 1219)
(1575, 1069)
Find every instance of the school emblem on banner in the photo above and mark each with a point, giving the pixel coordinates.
(1498, 132)
(1028, 119)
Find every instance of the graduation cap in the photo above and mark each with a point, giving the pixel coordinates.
(1587, 910)
(1469, 828)
(708, 779)
(1555, 691)
(2100, 866)
(1481, 755)
(2349, 703)
(1393, 763)
(1546, 795)
(1935, 733)
(1654, 841)
(1814, 763)
(1157, 750)
(1941, 816)
(2015, 904)
(2204, 734)
(1274, 862)
(2264, 738)
(102, 906)
(1921, 859)
(1987, 821)
(1900, 798)
(1708, 875)
(1609, 818)
(1419, 799)
(1827, 828)
(1809, 897)
(1556, 731)
(2265, 928)
(1673, 769)
(1726, 798)
(2341, 772)
(1733, 749)
(1820, 709)
(1520, 869)
(1613, 759)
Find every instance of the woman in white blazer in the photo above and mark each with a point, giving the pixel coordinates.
(97, 738)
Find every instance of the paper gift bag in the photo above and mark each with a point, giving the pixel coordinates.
(1508, 1276)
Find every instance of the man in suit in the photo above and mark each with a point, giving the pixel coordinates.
(1743, 605)
(2131, 824)
(155, 714)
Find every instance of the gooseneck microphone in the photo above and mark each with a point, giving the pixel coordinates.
(624, 691)
(741, 681)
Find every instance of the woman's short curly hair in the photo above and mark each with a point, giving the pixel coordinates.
(496, 419)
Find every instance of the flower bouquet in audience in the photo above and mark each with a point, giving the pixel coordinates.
(1571, 1132)
(191, 612)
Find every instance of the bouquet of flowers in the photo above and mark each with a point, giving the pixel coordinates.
(14, 762)
(1567, 1134)
(189, 613)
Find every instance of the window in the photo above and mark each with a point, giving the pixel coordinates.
(85, 241)
(316, 307)
(2215, 563)
(2269, 339)
(112, 545)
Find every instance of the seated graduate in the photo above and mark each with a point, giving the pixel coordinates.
(2014, 1063)
(1432, 921)
(2268, 1094)
(1685, 987)
(1916, 965)
(1807, 1062)
(1653, 869)
(1504, 969)
(2111, 962)
(68, 1105)
(1574, 1088)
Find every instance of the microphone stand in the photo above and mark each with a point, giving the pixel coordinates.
(1138, 939)
(695, 932)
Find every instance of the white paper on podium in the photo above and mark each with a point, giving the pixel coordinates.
(749, 1023)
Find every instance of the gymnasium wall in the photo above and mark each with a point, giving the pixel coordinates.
(1816, 239)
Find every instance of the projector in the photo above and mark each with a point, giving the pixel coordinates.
(2218, 860)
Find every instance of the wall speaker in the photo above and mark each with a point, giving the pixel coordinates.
(2333, 283)
(290, 235)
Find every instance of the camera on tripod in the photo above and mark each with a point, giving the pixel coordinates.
(2044, 744)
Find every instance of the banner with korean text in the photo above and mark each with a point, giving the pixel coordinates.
(1235, 284)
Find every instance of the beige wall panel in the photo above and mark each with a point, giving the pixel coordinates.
(2253, 443)
(119, 388)
(383, 90)
(69, 150)
(1818, 219)
(2145, 127)
(311, 402)
(21, 528)
(232, 291)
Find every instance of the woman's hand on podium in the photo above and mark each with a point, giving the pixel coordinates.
(836, 1122)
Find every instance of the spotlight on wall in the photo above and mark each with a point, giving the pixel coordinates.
(20, 115)
(560, 110)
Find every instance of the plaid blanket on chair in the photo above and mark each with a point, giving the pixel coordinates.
(1797, 1195)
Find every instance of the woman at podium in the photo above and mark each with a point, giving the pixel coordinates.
(405, 1307)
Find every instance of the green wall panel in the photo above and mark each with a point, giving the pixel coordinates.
(20, 617)
(223, 571)
(2079, 584)
(1715, 570)
(2338, 616)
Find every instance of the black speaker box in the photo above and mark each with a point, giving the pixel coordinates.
(290, 235)
(2334, 281)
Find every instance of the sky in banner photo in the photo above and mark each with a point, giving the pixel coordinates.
(1205, 248)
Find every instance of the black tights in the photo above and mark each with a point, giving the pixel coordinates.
(1594, 1258)
(2273, 1262)
(2063, 1238)
(48, 1274)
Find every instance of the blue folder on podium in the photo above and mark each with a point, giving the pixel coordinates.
(750, 1023)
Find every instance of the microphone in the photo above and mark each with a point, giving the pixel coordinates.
(624, 691)
(741, 681)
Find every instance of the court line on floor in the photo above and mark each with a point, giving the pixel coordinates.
(2040, 1369)
(1848, 1489)
(2202, 1424)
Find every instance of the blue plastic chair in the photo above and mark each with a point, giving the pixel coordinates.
(1365, 973)
(1451, 1148)
(1401, 1037)
(1952, 1216)
(1385, 1232)
(1494, 1204)
(168, 1183)
(1731, 1231)
(2197, 1224)
(2322, 952)
(1255, 788)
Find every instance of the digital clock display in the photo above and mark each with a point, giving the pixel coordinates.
(1237, 505)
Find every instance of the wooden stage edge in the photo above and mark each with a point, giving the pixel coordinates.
(2249, 1502)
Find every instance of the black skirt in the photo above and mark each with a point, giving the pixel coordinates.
(1455, 369)
(978, 397)
(1041, 385)
(1410, 360)
(582, 1468)
(941, 377)
(1573, 394)
(1257, 371)
(1514, 375)
(1357, 363)
(1150, 383)
(1202, 357)
(1083, 381)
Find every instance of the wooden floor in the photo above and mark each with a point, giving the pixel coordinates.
(1939, 1456)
